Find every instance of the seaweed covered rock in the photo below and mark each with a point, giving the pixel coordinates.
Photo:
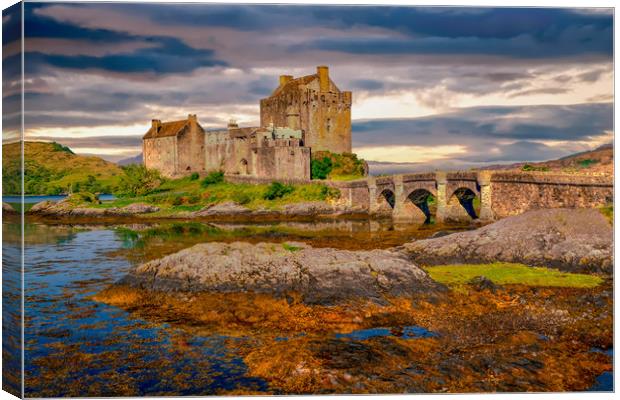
(317, 275)
(568, 239)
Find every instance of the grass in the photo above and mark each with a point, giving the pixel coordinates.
(510, 274)
(187, 194)
(53, 169)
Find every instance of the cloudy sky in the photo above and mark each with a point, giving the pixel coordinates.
(432, 87)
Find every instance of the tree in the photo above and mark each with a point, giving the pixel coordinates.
(138, 181)
(320, 168)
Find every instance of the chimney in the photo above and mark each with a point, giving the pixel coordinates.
(323, 72)
(284, 79)
(232, 124)
(192, 118)
(156, 124)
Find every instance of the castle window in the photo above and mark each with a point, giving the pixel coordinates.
(329, 124)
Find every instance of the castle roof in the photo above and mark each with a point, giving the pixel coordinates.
(166, 129)
(241, 132)
(295, 83)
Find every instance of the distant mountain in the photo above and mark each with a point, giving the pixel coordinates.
(52, 168)
(597, 161)
(131, 160)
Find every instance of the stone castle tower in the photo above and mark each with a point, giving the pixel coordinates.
(314, 105)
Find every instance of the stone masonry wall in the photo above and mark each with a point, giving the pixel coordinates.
(514, 194)
(161, 154)
(190, 149)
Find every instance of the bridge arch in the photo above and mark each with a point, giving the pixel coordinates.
(463, 205)
(386, 201)
(417, 204)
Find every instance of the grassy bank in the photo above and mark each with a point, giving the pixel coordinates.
(457, 276)
(192, 193)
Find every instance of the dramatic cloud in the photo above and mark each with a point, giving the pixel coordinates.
(434, 85)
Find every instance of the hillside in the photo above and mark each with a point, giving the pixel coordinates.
(599, 161)
(131, 160)
(54, 169)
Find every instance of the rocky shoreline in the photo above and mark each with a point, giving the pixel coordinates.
(568, 239)
(302, 306)
(221, 211)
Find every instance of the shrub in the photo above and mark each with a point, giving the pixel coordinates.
(213, 178)
(329, 192)
(83, 197)
(587, 162)
(320, 168)
(529, 167)
(241, 198)
(194, 176)
(60, 147)
(277, 190)
(137, 180)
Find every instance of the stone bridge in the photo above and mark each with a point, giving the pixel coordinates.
(462, 196)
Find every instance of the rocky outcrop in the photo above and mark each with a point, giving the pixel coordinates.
(568, 239)
(314, 208)
(317, 275)
(66, 208)
(137, 208)
(227, 208)
(7, 208)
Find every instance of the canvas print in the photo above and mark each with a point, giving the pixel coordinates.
(232, 199)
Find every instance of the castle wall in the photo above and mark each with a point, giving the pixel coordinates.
(283, 161)
(276, 159)
(161, 154)
(190, 148)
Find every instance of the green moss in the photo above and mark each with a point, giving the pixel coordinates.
(508, 274)
(608, 212)
(289, 247)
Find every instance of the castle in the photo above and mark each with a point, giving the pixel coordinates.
(302, 115)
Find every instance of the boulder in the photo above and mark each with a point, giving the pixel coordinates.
(139, 208)
(482, 283)
(7, 208)
(569, 239)
(317, 275)
(308, 208)
(227, 208)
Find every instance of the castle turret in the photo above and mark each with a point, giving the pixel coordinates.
(314, 105)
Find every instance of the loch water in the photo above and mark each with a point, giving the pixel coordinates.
(75, 346)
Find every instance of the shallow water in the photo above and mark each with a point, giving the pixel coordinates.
(78, 347)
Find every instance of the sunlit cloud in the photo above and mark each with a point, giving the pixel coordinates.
(417, 154)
